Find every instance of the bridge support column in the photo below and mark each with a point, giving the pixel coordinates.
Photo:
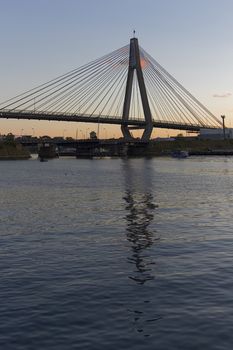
(135, 65)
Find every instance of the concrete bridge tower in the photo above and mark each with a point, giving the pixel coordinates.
(135, 65)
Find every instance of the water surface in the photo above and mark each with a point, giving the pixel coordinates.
(116, 254)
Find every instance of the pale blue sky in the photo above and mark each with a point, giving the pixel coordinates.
(41, 39)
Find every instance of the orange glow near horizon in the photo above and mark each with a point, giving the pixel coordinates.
(79, 130)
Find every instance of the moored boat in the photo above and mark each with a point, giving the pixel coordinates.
(180, 154)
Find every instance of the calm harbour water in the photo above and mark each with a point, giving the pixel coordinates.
(116, 254)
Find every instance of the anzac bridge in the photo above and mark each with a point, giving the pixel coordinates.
(126, 87)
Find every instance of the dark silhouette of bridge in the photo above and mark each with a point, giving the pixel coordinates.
(126, 87)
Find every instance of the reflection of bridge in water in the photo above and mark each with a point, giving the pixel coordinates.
(142, 237)
(140, 209)
(126, 87)
(140, 216)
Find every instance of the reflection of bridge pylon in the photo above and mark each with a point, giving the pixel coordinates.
(135, 67)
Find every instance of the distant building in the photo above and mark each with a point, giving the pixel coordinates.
(58, 139)
(216, 134)
(160, 139)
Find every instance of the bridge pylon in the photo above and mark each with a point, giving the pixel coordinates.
(135, 65)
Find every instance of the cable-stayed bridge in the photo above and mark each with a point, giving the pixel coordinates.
(126, 87)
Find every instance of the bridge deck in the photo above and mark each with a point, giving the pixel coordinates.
(99, 119)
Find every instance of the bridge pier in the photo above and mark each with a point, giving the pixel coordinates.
(126, 133)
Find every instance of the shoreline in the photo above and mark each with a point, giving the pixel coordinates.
(13, 151)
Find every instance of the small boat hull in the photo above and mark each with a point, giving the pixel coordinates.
(180, 154)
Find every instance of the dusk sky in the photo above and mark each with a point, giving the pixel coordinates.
(42, 39)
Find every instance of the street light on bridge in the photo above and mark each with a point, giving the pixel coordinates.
(223, 126)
